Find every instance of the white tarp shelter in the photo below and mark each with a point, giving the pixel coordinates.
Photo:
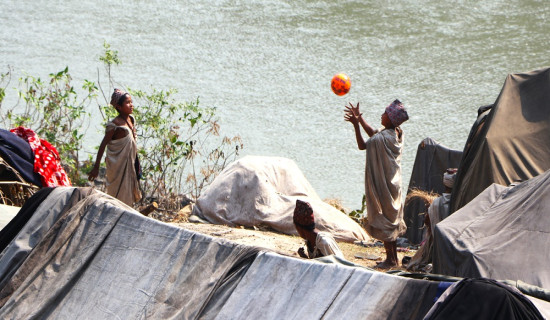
(258, 190)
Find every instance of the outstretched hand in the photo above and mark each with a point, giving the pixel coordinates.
(352, 113)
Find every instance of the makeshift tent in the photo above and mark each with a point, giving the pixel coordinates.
(502, 234)
(509, 141)
(462, 301)
(96, 258)
(432, 159)
(258, 190)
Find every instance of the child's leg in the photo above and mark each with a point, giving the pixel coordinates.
(391, 256)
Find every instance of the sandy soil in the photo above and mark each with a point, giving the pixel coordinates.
(288, 245)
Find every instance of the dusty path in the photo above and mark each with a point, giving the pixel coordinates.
(285, 244)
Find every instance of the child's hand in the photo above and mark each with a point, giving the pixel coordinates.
(355, 110)
(93, 174)
(352, 113)
(349, 117)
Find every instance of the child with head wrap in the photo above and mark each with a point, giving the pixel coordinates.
(384, 220)
(439, 208)
(318, 243)
(120, 141)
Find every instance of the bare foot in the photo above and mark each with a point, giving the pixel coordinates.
(386, 264)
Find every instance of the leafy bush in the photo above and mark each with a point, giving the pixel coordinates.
(359, 214)
(180, 148)
(54, 111)
(176, 141)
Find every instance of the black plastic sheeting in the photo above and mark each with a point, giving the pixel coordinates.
(23, 216)
(101, 259)
(501, 234)
(483, 299)
(508, 143)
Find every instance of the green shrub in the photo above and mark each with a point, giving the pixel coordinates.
(180, 148)
(54, 110)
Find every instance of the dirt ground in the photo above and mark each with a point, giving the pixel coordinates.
(288, 245)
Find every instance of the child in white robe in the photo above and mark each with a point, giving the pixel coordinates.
(120, 141)
(384, 205)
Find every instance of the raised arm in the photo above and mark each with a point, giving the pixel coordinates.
(355, 111)
(349, 116)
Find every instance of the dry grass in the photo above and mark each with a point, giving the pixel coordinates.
(16, 192)
(288, 245)
(427, 196)
(336, 203)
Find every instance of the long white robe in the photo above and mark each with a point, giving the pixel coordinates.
(121, 175)
(384, 205)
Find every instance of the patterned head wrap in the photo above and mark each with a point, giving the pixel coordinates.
(397, 113)
(449, 179)
(303, 215)
(116, 98)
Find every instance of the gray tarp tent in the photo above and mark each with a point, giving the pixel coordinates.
(432, 159)
(510, 141)
(97, 258)
(85, 255)
(502, 234)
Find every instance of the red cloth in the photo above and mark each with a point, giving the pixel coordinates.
(46, 159)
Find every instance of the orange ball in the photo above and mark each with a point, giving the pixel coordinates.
(340, 84)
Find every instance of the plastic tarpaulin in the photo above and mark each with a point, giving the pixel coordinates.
(462, 301)
(100, 259)
(432, 159)
(501, 234)
(7, 214)
(277, 287)
(17, 244)
(511, 144)
(258, 190)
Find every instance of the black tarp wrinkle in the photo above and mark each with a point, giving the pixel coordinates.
(58, 229)
(57, 299)
(244, 258)
(173, 258)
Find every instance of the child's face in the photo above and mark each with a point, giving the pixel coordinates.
(127, 107)
(385, 120)
(302, 232)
